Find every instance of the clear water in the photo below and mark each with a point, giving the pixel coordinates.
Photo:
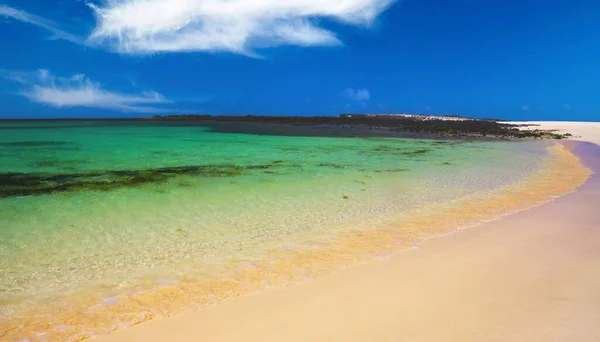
(114, 207)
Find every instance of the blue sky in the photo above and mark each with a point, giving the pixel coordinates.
(533, 59)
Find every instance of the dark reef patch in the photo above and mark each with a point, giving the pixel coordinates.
(258, 167)
(335, 166)
(396, 170)
(384, 170)
(32, 184)
(359, 125)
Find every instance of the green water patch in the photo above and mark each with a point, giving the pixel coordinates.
(46, 163)
(39, 146)
(36, 144)
(391, 150)
(417, 152)
(385, 149)
(57, 163)
(58, 125)
(451, 142)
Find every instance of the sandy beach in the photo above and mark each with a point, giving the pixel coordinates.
(581, 131)
(529, 276)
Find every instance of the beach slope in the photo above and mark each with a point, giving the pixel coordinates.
(529, 276)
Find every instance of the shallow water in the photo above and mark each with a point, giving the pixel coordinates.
(109, 209)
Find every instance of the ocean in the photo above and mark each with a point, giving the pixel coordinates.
(104, 224)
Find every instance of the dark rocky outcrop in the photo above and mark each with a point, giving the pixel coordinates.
(436, 127)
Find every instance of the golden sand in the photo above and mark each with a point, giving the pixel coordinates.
(563, 174)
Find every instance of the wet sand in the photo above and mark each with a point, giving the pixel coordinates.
(529, 276)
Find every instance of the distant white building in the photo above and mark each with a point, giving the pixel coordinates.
(421, 117)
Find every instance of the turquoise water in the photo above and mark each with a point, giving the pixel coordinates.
(113, 207)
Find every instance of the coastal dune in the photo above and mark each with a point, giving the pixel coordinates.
(529, 276)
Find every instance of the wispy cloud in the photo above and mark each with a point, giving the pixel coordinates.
(525, 108)
(357, 94)
(79, 91)
(28, 18)
(238, 26)
(568, 107)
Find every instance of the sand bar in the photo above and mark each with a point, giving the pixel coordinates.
(530, 276)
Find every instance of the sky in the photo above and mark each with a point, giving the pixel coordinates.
(509, 59)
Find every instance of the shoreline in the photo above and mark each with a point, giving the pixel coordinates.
(278, 269)
(281, 269)
(326, 299)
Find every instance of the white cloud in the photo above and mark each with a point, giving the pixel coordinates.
(568, 107)
(239, 26)
(32, 19)
(525, 108)
(357, 94)
(79, 91)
